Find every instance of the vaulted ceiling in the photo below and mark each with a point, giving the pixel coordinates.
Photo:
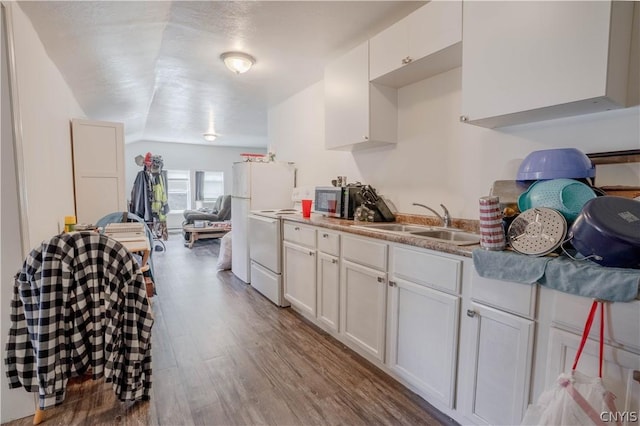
(155, 66)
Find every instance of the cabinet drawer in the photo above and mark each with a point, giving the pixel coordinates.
(300, 234)
(621, 320)
(328, 242)
(516, 298)
(365, 252)
(426, 269)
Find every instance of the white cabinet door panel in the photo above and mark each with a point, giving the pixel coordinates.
(363, 308)
(617, 370)
(423, 338)
(532, 61)
(328, 283)
(300, 277)
(502, 372)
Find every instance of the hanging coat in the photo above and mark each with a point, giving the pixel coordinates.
(159, 205)
(142, 196)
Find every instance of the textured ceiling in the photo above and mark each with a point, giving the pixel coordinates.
(155, 66)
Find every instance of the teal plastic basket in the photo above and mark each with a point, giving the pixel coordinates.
(567, 196)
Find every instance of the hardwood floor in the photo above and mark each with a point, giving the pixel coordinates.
(224, 355)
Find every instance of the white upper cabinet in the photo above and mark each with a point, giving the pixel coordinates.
(532, 61)
(358, 114)
(425, 43)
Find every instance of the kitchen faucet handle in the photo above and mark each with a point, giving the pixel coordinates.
(447, 217)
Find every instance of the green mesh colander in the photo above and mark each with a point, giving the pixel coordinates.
(567, 196)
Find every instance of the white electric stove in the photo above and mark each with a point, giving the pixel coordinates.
(265, 250)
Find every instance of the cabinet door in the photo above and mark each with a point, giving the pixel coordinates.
(346, 86)
(328, 282)
(532, 61)
(433, 27)
(388, 49)
(363, 307)
(425, 43)
(618, 368)
(423, 326)
(300, 277)
(501, 366)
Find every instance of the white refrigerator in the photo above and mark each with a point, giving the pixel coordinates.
(256, 186)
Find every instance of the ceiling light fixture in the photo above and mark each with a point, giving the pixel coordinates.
(238, 62)
(209, 137)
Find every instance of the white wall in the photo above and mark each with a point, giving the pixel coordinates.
(15, 403)
(179, 156)
(438, 159)
(46, 106)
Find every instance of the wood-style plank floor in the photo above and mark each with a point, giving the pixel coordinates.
(224, 355)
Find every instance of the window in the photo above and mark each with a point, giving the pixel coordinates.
(178, 190)
(209, 186)
(213, 185)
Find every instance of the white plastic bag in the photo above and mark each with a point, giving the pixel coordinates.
(575, 398)
(224, 258)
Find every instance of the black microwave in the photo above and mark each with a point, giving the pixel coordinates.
(337, 201)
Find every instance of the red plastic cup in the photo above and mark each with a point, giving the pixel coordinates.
(306, 208)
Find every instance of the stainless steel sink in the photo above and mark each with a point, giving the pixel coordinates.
(451, 236)
(448, 235)
(393, 227)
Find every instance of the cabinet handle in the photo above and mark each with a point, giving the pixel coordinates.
(366, 138)
(464, 118)
(296, 228)
(392, 283)
(325, 235)
(380, 279)
(471, 313)
(334, 260)
(311, 253)
(407, 60)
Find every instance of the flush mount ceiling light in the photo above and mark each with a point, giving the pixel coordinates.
(209, 137)
(238, 62)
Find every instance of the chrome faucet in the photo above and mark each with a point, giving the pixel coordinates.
(446, 220)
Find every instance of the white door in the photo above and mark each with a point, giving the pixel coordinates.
(423, 340)
(363, 307)
(264, 242)
(98, 169)
(300, 277)
(501, 366)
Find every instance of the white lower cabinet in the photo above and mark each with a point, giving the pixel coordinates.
(499, 366)
(300, 277)
(363, 308)
(423, 321)
(328, 282)
(423, 338)
(618, 369)
(463, 343)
